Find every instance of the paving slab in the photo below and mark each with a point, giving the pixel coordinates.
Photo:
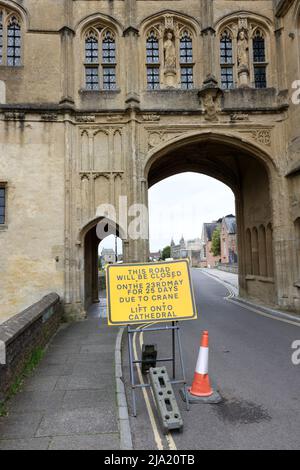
(86, 442)
(18, 425)
(83, 421)
(41, 443)
(70, 400)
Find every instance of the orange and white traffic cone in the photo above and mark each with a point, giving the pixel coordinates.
(201, 384)
(201, 390)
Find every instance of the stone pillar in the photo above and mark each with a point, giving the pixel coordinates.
(131, 46)
(282, 243)
(67, 65)
(209, 35)
(241, 244)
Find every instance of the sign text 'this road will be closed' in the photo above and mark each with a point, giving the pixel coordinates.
(142, 293)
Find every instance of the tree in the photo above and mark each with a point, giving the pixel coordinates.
(166, 253)
(216, 242)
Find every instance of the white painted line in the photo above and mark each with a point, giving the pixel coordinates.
(252, 309)
(2, 353)
(263, 314)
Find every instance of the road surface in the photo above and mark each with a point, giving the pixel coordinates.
(250, 361)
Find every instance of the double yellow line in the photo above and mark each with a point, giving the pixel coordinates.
(157, 435)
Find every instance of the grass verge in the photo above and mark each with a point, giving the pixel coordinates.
(34, 360)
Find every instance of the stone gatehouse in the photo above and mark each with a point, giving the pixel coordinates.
(104, 98)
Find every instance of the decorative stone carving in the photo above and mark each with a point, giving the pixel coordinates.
(170, 59)
(239, 117)
(14, 116)
(49, 117)
(88, 118)
(151, 117)
(210, 98)
(156, 138)
(262, 136)
(243, 57)
(115, 118)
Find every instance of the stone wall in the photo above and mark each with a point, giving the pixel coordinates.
(24, 333)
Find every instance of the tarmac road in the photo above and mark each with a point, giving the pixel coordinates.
(250, 361)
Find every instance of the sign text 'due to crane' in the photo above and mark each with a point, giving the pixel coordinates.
(153, 292)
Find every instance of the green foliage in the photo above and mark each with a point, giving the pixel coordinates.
(216, 242)
(3, 410)
(166, 253)
(31, 364)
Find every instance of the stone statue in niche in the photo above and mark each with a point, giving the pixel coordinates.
(170, 52)
(243, 58)
(170, 59)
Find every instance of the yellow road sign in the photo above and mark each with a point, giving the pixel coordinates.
(152, 292)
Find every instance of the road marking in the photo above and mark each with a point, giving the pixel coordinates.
(248, 307)
(156, 433)
(263, 314)
(169, 438)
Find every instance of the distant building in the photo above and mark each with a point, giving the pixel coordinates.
(155, 256)
(179, 251)
(108, 256)
(208, 260)
(189, 249)
(229, 254)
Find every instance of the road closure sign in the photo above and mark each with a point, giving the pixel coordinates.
(152, 292)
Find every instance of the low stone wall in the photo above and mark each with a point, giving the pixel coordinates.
(24, 333)
(229, 268)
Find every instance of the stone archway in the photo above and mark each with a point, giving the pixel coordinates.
(248, 171)
(90, 240)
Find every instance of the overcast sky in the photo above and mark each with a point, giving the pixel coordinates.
(180, 205)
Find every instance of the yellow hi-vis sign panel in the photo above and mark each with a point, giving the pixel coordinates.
(153, 292)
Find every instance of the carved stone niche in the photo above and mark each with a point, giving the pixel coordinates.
(211, 99)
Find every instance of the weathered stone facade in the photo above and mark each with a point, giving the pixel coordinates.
(66, 149)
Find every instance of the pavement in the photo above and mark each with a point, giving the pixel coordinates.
(70, 401)
(230, 279)
(251, 366)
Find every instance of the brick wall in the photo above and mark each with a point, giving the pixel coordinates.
(22, 334)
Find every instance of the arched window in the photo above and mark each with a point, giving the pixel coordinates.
(186, 60)
(169, 54)
(100, 59)
(10, 39)
(226, 60)
(259, 59)
(153, 61)
(243, 54)
(109, 61)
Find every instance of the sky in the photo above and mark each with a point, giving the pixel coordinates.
(179, 205)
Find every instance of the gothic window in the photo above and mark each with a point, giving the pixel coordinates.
(10, 39)
(153, 61)
(226, 60)
(259, 60)
(243, 55)
(2, 203)
(186, 60)
(109, 61)
(100, 59)
(170, 55)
